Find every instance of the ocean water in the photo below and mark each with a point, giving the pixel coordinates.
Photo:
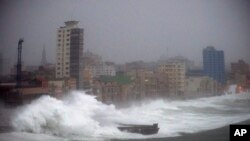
(81, 117)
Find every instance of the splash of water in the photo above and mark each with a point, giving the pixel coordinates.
(81, 115)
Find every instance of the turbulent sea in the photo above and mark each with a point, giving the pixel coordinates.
(81, 117)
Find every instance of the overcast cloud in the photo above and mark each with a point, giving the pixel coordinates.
(128, 30)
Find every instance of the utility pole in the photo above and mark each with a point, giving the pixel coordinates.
(19, 64)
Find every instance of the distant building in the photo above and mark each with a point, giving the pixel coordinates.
(113, 89)
(240, 74)
(176, 72)
(91, 59)
(105, 69)
(149, 84)
(198, 86)
(69, 52)
(189, 65)
(87, 78)
(214, 64)
(30, 90)
(240, 67)
(136, 65)
(195, 72)
(58, 87)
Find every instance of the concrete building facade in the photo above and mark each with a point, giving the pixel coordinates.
(113, 89)
(69, 52)
(149, 84)
(58, 87)
(240, 67)
(103, 69)
(176, 72)
(198, 86)
(240, 73)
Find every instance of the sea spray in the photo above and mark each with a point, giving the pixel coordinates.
(77, 114)
(81, 115)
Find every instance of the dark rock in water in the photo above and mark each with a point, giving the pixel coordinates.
(139, 129)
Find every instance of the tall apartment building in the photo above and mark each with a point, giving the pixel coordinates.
(69, 52)
(214, 64)
(176, 72)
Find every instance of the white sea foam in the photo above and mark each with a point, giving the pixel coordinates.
(82, 116)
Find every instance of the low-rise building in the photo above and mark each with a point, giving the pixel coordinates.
(201, 86)
(61, 86)
(113, 89)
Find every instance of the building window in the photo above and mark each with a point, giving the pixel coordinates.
(58, 68)
(59, 44)
(59, 35)
(59, 40)
(67, 35)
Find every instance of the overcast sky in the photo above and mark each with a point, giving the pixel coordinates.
(128, 30)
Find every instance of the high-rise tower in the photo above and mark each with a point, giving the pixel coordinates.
(69, 52)
(214, 64)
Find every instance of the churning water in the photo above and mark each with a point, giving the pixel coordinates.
(82, 117)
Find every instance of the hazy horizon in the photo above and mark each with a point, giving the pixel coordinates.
(124, 31)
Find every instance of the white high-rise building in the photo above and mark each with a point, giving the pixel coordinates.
(69, 52)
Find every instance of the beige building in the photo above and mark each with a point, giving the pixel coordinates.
(113, 89)
(87, 77)
(59, 87)
(69, 52)
(176, 72)
(201, 86)
(148, 84)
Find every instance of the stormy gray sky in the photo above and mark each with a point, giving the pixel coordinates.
(128, 30)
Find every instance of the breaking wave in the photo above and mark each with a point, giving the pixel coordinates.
(81, 116)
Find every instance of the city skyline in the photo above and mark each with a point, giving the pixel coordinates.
(124, 31)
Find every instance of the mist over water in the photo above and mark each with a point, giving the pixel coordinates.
(80, 116)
